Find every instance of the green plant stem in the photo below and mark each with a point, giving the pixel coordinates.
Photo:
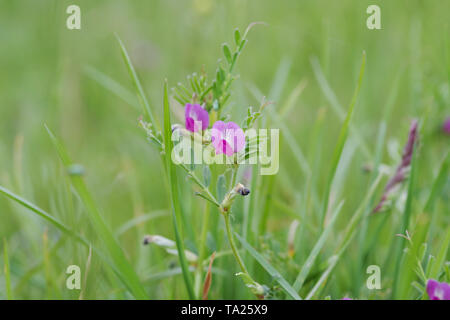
(6, 269)
(171, 176)
(226, 215)
(201, 185)
(399, 253)
(233, 177)
(202, 250)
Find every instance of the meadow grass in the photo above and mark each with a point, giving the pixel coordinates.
(342, 96)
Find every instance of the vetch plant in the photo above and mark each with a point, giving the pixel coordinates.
(203, 106)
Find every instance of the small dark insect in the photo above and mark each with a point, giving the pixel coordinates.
(241, 189)
(244, 191)
(146, 240)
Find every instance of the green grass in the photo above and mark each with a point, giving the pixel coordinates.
(174, 196)
(7, 272)
(343, 122)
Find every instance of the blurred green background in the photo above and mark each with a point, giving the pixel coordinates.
(49, 74)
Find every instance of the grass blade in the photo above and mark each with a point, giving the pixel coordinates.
(341, 140)
(331, 264)
(441, 256)
(438, 185)
(409, 261)
(9, 294)
(111, 85)
(280, 79)
(406, 217)
(348, 235)
(270, 269)
(137, 84)
(336, 106)
(292, 99)
(176, 208)
(46, 216)
(86, 273)
(115, 251)
(43, 214)
(365, 223)
(140, 220)
(315, 251)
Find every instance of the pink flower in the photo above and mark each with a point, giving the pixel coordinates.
(438, 290)
(446, 126)
(227, 137)
(196, 117)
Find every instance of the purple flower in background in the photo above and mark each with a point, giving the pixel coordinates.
(446, 126)
(402, 169)
(346, 298)
(196, 117)
(438, 290)
(227, 137)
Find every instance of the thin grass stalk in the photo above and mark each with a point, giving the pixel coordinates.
(6, 269)
(176, 209)
(341, 142)
(202, 249)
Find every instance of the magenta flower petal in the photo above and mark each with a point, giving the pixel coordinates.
(431, 287)
(438, 290)
(446, 288)
(227, 137)
(196, 117)
(224, 147)
(446, 126)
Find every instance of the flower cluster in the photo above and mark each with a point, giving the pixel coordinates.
(226, 137)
